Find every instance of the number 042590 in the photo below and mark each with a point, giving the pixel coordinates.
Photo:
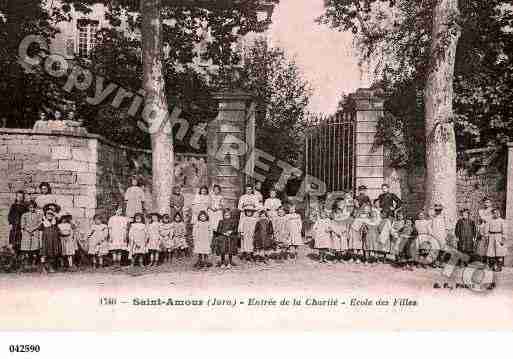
(24, 348)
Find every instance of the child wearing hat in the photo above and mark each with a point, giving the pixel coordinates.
(50, 243)
(247, 224)
(153, 245)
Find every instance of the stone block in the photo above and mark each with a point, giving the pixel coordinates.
(92, 167)
(3, 149)
(61, 152)
(29, 149)
(48, 166)
(14, 166)
(66, 202)
(71, 165)
(88, 202)
(370, 172)
(87, 178)
(365, 137)
(77, 212)
(80, 154)
(369, 160)
(366, 126)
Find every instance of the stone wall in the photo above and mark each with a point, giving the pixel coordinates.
(471, 189)
(87, 173)
(66, 161)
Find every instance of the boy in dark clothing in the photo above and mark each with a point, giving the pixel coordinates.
(389, 202)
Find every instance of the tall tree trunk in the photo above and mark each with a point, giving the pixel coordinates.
(156, 108)
(438, 96)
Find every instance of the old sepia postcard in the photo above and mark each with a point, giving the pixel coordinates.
(270, 165)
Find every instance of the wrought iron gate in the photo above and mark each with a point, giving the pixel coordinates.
(330, 151)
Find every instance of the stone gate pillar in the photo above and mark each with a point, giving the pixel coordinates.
(369, 159)
(230, 140)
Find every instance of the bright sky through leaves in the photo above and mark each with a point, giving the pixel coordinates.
(325, 56)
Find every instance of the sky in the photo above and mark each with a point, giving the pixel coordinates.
(325, 56)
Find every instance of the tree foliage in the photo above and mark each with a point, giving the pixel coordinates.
(283, 96)
(397, 38)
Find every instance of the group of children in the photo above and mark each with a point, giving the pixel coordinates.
(353, 229)
(358, 230)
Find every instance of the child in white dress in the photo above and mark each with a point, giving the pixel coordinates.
(97, 239)
(340, 227)
(118, 227)
(496, 239)
(134, 199)
(201, 202)
(424, 239)
(322, 235)
(385, 233)
(357, 236)
(202, 236)
(30, 235)
(272, 204)
(247, 224)
(294, 228)
(153, 245)
(280, 232)
(137, 239)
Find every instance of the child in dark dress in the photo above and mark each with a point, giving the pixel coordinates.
(264, 237)
(226, 239)
(50, 241)
(17, 209)
(466, 233)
